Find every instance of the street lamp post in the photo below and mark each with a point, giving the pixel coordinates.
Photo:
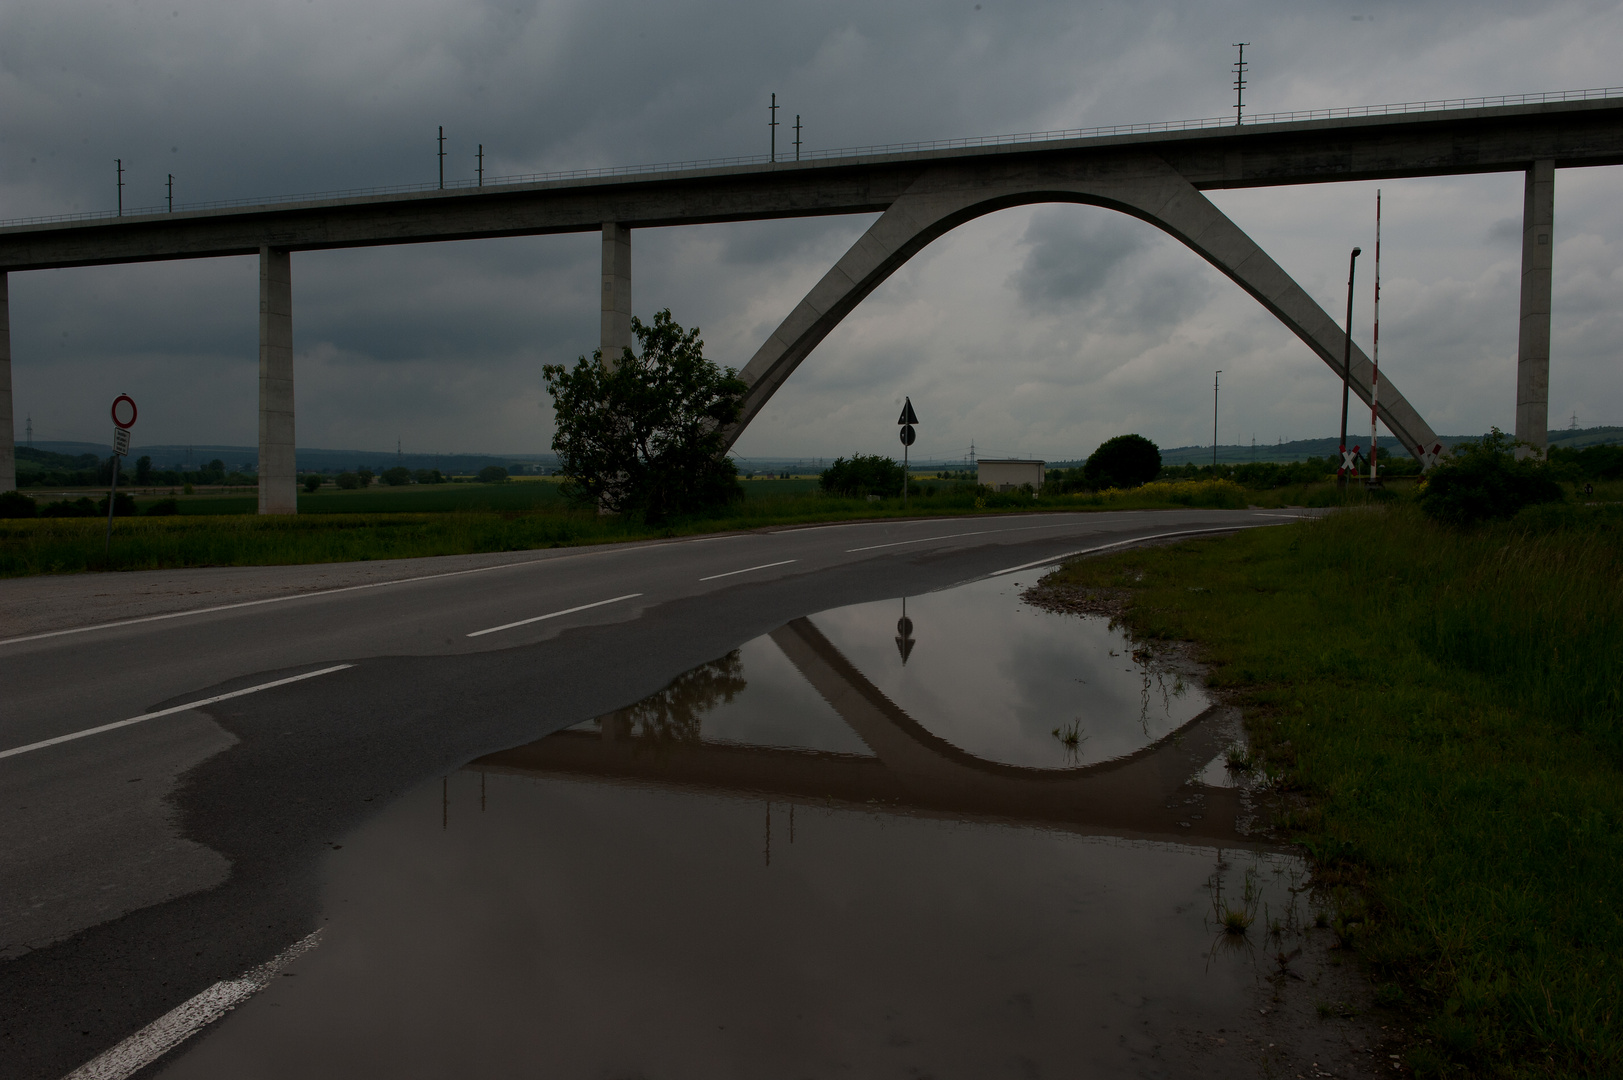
(1214, 416)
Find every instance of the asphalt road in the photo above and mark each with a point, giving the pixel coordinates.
(142, 864)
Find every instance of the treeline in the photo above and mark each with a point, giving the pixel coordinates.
(43, 468)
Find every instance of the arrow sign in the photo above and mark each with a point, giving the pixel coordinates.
(908, 435)
(904, 638)
(908, 416)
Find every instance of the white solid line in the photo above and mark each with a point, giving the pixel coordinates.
(747, 569)
(553, 615)
(954, 536)
(1118, 543)
(270, 600)
(43, 743)
(186, 1019)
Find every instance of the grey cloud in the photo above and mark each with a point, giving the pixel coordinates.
(1073, 253)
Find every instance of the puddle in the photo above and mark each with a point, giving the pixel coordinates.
(808, 858)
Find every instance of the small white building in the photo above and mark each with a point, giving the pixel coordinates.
(1009, 474)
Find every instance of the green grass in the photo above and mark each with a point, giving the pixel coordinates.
(1443, 716)
(451, 519)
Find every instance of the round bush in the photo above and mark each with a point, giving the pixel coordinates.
(1126, 461)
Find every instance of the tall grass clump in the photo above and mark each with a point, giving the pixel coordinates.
(1443, 706)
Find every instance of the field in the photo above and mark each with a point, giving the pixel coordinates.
(1439, 720)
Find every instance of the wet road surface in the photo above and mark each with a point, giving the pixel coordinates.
(148, 863)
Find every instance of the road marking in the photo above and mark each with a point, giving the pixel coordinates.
(954, 536)
(747, 569)
(43, 743)
(1118, 543)
(187, 1019)
(553, 615)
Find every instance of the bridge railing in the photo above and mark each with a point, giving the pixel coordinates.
(816, 157)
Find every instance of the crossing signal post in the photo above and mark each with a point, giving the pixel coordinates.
(907, 420)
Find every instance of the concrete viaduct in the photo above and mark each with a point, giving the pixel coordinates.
(920, 194)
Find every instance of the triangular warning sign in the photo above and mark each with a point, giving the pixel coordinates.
(905, 647)
(908, 415)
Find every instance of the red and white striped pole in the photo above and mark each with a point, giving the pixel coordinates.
(1375, 380)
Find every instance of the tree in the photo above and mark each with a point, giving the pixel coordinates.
(311, 482)
(143, 469)
(645, 435)
(864, 474)
(1123, 462)
(396, 476)
(492, 474)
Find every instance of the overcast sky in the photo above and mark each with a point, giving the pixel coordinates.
(1036, 331)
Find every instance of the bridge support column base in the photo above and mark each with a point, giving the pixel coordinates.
(1533, 346)
(278, 480)
(8, 431)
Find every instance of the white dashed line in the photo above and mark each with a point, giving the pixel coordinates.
(43, 743)
(747, 569)
(553, 615)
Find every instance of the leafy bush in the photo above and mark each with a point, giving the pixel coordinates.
(397, 476)
(492, 474)
(863, 474)
(348, 481)
(81, 507)
(1484, 481)
(164, 508)
(1123, 462)
(123, 506)
(14, 504)
(312, 482)
(428, 476)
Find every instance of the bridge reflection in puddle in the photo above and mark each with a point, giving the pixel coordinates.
(782, 865)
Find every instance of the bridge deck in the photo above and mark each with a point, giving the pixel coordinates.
(1438, 143)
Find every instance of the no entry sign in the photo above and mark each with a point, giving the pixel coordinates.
(124, 403)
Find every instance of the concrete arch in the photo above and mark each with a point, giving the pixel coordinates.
(1144, 186)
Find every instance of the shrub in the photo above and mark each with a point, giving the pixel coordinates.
(164, 508)
(81, 507)
(428, 476)
(348, 481)
(397, 476)
(14, 504)
(1123, 462)
(365, 476)
(312, 482)
(123, 506)
(492, 474)
(864, 474)
(1484, 481)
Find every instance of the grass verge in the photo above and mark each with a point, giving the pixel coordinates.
(1441, 714)
(318, 534)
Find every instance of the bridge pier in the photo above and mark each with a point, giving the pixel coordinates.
(278, 481)
(1533, 346)
(616, 335)
(8, 431)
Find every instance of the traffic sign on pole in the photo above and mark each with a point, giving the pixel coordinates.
(908, 416)
(121, 446)
(908, 435)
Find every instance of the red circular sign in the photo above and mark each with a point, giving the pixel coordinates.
(126, 400)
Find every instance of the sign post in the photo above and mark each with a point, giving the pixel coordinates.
(907, 420)
(121, 446)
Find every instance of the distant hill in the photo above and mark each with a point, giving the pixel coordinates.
(1302, 449)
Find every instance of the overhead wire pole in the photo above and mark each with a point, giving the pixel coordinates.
(797, 136)
(1214, 416)
(1346, 369)
(120, 163)
(171, 193)
(772, 125)
(442, 157)
(1240, 67)
(481, 164)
